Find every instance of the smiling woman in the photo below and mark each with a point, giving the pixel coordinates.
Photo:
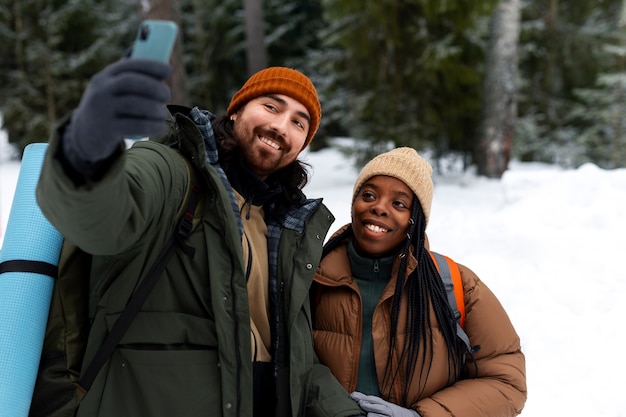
(380, 215)
(382, 320)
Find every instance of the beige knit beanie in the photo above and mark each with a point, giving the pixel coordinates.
(406, 165)
(281, 80)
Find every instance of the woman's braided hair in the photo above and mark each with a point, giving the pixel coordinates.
(425, 292)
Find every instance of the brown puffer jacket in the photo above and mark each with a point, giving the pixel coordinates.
(498, 389)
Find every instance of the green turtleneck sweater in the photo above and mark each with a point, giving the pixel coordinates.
(371, 276)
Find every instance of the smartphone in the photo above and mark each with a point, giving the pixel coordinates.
(155, 40)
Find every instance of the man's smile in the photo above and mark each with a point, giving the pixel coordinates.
(269, 142)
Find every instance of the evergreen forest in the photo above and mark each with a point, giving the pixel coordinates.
(475, 81)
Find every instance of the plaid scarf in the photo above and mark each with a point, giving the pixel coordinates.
(295, 219)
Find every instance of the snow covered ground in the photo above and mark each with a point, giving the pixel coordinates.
(547, 241)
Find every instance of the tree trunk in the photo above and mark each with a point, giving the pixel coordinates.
(169, 10)
(255, 36)
(551, 78)
(499, 108)
(619, 139)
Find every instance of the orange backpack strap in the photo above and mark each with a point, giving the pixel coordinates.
(451, 277)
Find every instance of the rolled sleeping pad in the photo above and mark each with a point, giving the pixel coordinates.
(29, 260)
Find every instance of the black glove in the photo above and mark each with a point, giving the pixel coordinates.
(125, 99)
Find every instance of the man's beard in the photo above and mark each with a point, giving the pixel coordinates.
(260, 157)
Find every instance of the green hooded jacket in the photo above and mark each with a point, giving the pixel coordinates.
(187, 353)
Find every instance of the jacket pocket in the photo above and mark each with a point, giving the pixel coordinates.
(166, 365)
(162, 383)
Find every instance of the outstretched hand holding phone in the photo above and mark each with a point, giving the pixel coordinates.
(125, 99)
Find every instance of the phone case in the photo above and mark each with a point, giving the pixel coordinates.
(155, 40)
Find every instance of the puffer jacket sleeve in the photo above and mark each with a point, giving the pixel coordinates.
(496, 382)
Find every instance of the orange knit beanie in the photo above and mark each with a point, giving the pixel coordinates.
(281, 80)
(406, 165)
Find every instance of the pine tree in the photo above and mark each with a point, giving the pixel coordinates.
(602, 140)
(563, 47)
(215, 44)
(53, 49)
(404, 72)
(214, 51)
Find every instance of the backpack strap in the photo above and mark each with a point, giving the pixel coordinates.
(451, 277)
(183, 229)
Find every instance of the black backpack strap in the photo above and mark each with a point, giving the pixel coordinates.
(182, 230)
